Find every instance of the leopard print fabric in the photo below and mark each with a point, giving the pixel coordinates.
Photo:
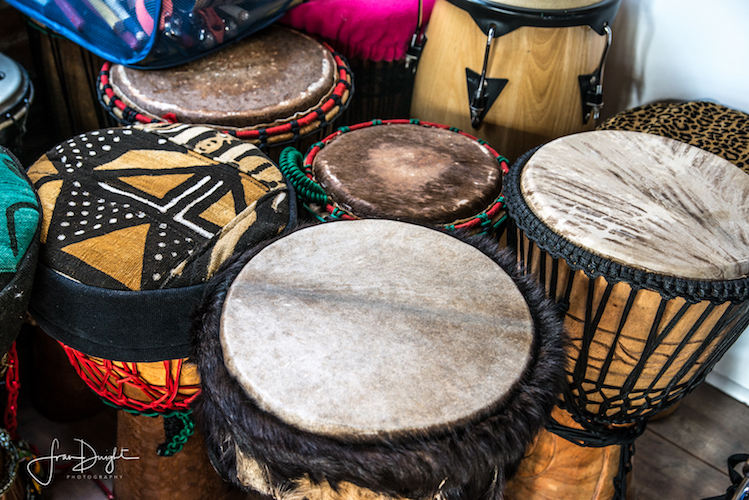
(706, 125)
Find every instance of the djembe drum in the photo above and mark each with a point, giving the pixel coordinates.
(707, 125)
(275, 88)
(19, 250)
(381, 40)
(135, 220)
(401, 169)
(641, 240)
(516, 73)
(16, 93)
(374, 359)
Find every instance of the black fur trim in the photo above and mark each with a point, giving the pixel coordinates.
(465, 457)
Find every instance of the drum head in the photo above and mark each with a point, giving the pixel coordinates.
(409, 172)
(13, 83)
(546, 5)
(372, 327)
(272, 75)
(642, 201)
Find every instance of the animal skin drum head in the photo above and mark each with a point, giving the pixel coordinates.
(643, 201)
(12, 82)
(272, 75)
(371, 327)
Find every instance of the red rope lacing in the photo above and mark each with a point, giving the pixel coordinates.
(12, 386)
(109, 379)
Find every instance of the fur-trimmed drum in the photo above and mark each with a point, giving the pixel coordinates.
(273, 89)
(641, 239)
(539, 63)
(375, 358)
(135, 220)
(405, 170)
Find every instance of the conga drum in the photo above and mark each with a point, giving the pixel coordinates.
(275, 88)
(20, 225)
(135, 220)
(381, 40)
(401, 169)
(707, 125)
(641, 240)
(374, 359)
(516, 73)
(16, 94)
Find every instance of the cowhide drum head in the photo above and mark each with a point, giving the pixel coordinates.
(644, 201)
(379, 353)
(410, 172)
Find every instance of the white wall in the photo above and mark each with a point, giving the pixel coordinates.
(684, 50)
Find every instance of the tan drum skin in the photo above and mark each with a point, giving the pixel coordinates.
(541, 100)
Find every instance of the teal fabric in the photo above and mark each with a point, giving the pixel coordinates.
(19, 214)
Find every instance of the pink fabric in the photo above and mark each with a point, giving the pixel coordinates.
(377, 30)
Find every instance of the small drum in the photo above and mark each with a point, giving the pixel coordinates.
(135, 220)
(273, 89)
(381, 41)
(413, 365)
(401, 169)
(16, 93)
(516, 73)
(641, 239)
(710, 126)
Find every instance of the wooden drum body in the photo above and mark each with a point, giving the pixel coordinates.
(538, 68)
(640, 239)
(272, 89)
(404, 170)
(375, 359)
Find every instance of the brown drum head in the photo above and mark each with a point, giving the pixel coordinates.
(375, 327)
(272, 75)
(409, 172)
(643, 201)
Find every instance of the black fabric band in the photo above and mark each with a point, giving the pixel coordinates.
(134, 326)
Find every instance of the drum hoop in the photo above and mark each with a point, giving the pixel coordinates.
(326, 209)
(310, 122)
(16, 112)
(580, 259)
(507, 18)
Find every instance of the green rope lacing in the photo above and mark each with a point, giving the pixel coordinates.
(178, 427)
(307, 189)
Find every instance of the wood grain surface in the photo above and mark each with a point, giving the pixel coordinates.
(644, 201)
(542, 98)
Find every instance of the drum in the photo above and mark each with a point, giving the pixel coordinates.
(381, 40)
(413, 365)
(16, 94)
(419, 172)
(707, 125)
(273, 89)
(639, 238)
(135, 220)
(515, 73)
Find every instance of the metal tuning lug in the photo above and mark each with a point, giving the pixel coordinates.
(591, 86)
(483, 91)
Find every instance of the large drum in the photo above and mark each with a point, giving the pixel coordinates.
(641, 240)
(400, 169)
(16, 94)
(135, 220)
(381, 41)
(273, 89)
(373, 357)
(516, 73)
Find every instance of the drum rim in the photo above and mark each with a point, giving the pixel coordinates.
(594, 266)
(536, 388)
(20, 108)
(334, 211)
(272, 135)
